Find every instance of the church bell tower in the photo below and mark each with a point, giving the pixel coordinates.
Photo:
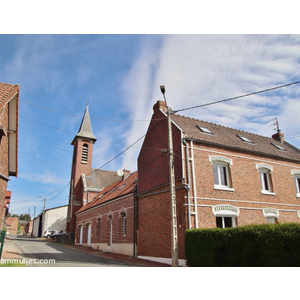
(81, 164)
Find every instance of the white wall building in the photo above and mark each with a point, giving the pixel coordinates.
(54, 219)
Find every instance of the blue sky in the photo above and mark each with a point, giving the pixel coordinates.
(120, 75)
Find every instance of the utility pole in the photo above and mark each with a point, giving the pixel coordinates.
(174, 233)
(43, 224)
(33, 221)
(71, 212)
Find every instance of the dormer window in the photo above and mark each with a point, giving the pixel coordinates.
(245, 139)
(204, 129)
(84, 155)
(278, 147)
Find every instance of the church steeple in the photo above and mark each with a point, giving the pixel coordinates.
(83, 144)
(85, 130)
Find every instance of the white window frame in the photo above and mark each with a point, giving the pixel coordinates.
(265, 178)
(226, 211)
(296, 174)
(233, 220)
(222, 164)
(271, 215)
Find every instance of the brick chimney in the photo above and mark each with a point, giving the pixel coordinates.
(159, 105)
(126, 173)
(279, 136)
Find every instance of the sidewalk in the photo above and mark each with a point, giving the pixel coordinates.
(10, 251)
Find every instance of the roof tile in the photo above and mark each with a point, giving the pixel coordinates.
(229, 138)
(115, 190)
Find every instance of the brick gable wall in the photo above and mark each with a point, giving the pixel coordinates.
(154, 152)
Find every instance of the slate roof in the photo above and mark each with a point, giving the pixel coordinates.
(85, 129)
(7, 91)
(113, 191)
(99, 179)
(227, 137)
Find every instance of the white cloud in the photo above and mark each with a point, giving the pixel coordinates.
(45, 178)
(197, 69)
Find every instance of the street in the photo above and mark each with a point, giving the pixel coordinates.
(42, 253)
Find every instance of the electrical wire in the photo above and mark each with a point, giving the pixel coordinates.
(76, 115)
(238, 97)
(40, 123)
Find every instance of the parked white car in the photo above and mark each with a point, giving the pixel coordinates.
(47, 233)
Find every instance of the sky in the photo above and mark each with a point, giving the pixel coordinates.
(120, 76)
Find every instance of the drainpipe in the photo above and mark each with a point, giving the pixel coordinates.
(134, 219)
(194, 186)
(187, 186)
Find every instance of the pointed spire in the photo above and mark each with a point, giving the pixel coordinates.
(85, 130)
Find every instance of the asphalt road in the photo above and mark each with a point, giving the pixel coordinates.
(40, 253)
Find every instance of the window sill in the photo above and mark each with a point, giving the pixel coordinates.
(223, 188)
(267, 193)
(298, 195)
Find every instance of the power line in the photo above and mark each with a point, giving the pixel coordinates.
(40, 123)
(76, 115)
(238, 97)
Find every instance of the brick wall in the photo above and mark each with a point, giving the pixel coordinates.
(99, 218)
(154, 152)
(79, 168)
(246, 183)
(3, 165)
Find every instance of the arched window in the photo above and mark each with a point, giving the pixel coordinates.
(84, 155)
(110, 230)
(221, 171)
(265, 178)
(123, 224)
(296, 174)
(99, 228)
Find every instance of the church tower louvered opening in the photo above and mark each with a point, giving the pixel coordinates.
(84, 155)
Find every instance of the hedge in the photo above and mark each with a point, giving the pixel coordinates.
(270, 245)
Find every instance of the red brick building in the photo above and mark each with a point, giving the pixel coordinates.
(12, 225)
(86, 182)
(224, 178)
(9, 110)
(108, 221)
